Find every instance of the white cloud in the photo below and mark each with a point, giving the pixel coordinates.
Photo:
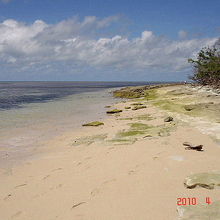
(77, 42)
(182, 34)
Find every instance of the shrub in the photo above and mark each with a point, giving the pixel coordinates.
(207, 67)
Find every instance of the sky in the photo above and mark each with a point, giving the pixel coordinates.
(104, 40)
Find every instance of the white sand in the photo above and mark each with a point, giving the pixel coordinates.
(103, 181)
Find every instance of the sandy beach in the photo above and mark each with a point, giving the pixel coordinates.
(131, 168)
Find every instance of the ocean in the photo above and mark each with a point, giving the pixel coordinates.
(34, 112)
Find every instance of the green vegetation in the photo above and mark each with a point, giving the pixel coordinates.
(94, 123)
(139, 126)
(151, 94)
(137, 129)
(137, 103)
(125, 119)
(89, 139)
(129, 133)
(207, 67)
(146, 117)
(122, 141)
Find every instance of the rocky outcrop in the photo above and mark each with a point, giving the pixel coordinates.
(205, 180)
(114, 111)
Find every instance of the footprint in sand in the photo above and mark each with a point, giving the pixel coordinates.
(95, 191)
(136, 169)
(101, 188)
(47, 176)
(16, 214)
(131, 172)
(20, 185)
(7, 197)
(57, 169)
(88, 158)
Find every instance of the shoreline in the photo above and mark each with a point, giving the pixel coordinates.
(25, 129)
(125, 169)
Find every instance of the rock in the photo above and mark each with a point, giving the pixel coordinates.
(139, 107)
(205, 180)
(191, 147)
(189, 107)
(137, 103)
(94, 123)
(114, 111)
(168, 119)
(199, 212)
(127, 107)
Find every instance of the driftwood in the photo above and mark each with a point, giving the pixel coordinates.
(191, 147)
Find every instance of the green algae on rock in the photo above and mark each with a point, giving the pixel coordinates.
(127, 107)
(87, 140)
(122, 141)
(199, 212)
(139, 126)
(138, 91)
(137, 103)
(125, 119)
(94, 123)
(114, 111)
(205, 180)
(139, 107)
(129, 133)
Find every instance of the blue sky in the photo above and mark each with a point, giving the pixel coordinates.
(104, 40)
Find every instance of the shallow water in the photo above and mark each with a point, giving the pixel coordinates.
(24, 129)
(48, 110)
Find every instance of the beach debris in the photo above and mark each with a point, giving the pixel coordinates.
(168, 119)
(94, 123)
(201, 212)
(114, 111)
(20, 185)
(139, 107)
(147, 136)
(78, 204)
(108, 106)
(127, 107)
(204, 180)
(191, 147)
